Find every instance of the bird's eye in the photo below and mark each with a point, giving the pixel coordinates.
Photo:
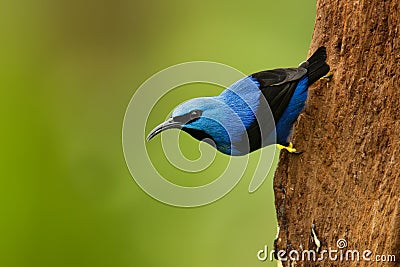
(188, 117)
(194, 114)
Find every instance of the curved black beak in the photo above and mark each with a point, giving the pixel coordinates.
(168, 124)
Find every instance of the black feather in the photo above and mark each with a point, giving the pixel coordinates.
(278, 86)
(316, 65)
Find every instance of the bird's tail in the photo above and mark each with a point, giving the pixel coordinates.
(316, 65)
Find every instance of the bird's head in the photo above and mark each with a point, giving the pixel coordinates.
(207, 119)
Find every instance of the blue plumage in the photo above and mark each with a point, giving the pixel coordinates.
(254, 112)
(243, 98)
(289, 116)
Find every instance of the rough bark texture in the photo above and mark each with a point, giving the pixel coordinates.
(347, 180)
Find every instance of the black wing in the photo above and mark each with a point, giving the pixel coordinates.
(278, 86)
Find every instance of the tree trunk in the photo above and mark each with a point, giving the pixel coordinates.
(346, 182)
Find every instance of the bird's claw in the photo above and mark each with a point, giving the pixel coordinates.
(328, 76)
(289, 148)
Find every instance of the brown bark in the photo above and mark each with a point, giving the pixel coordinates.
(347, 180)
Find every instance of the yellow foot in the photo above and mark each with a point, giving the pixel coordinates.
(328, 76)
(289, 148)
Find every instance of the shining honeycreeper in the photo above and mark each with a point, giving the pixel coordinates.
(254, 112)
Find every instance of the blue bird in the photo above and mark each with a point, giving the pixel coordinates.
(254, 112)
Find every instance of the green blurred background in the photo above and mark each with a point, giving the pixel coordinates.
(68, 71)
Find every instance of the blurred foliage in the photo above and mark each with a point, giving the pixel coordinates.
(68, 71)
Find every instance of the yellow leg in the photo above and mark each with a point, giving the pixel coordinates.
(289, 148)
(328, 76)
